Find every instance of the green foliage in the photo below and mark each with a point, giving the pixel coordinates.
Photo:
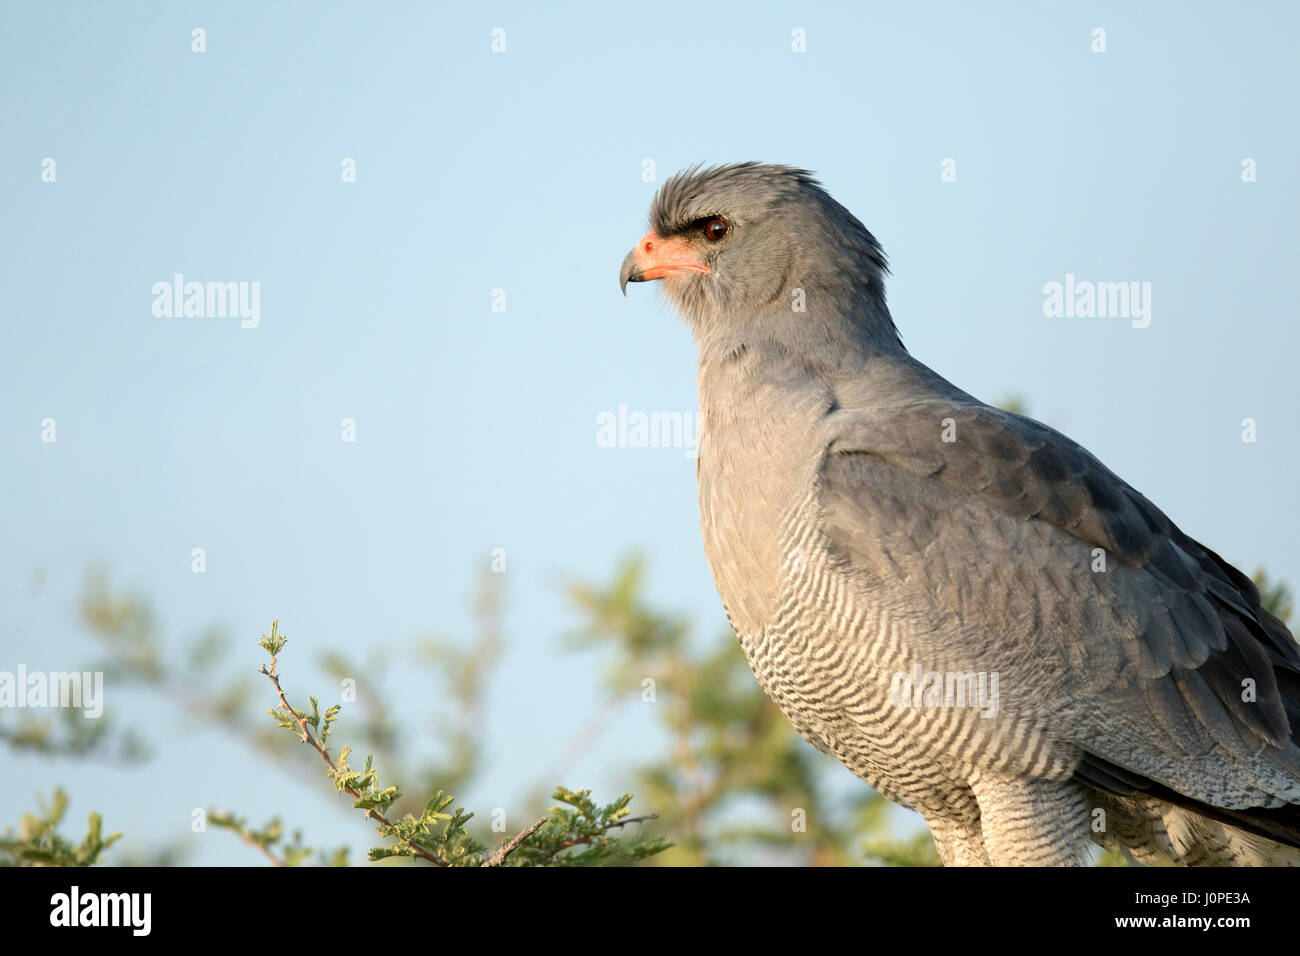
(439, 834)
(124, 625)
(270, 839)
(435, 834)
(580, 822)
(38, 843)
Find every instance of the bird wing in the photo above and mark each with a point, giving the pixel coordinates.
(991, 525)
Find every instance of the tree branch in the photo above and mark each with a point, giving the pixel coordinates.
(587, 839)
(308, 738)
(500, 855)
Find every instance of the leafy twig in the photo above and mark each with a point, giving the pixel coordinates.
(38, 842)
(273, 645)
(438, 835)
(587, 839)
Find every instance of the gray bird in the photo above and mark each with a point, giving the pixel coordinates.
(966, 608)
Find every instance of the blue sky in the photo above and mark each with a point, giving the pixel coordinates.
(522, 171)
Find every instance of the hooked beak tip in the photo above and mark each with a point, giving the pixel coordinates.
(629, 272)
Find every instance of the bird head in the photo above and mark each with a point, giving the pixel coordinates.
(749, 245)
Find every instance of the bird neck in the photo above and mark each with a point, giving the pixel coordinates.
(780, 342)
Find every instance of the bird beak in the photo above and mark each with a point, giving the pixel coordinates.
(655, 258)
(630, 272)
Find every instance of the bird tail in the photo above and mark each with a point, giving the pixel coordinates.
(1201, 841)
(1153, 831)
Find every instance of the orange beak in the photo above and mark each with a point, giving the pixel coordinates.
(655, 258)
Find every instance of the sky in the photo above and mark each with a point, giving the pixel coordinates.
(432, 203)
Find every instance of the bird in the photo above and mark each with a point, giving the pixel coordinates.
(963, 606)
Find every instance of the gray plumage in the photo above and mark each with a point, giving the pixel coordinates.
(867, 522)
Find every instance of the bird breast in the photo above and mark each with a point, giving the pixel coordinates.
(749, 483)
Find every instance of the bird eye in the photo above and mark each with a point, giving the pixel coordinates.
(715, 229)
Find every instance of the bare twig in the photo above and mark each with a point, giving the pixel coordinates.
(500, 855)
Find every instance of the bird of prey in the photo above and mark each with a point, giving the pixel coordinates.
(965, 607)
